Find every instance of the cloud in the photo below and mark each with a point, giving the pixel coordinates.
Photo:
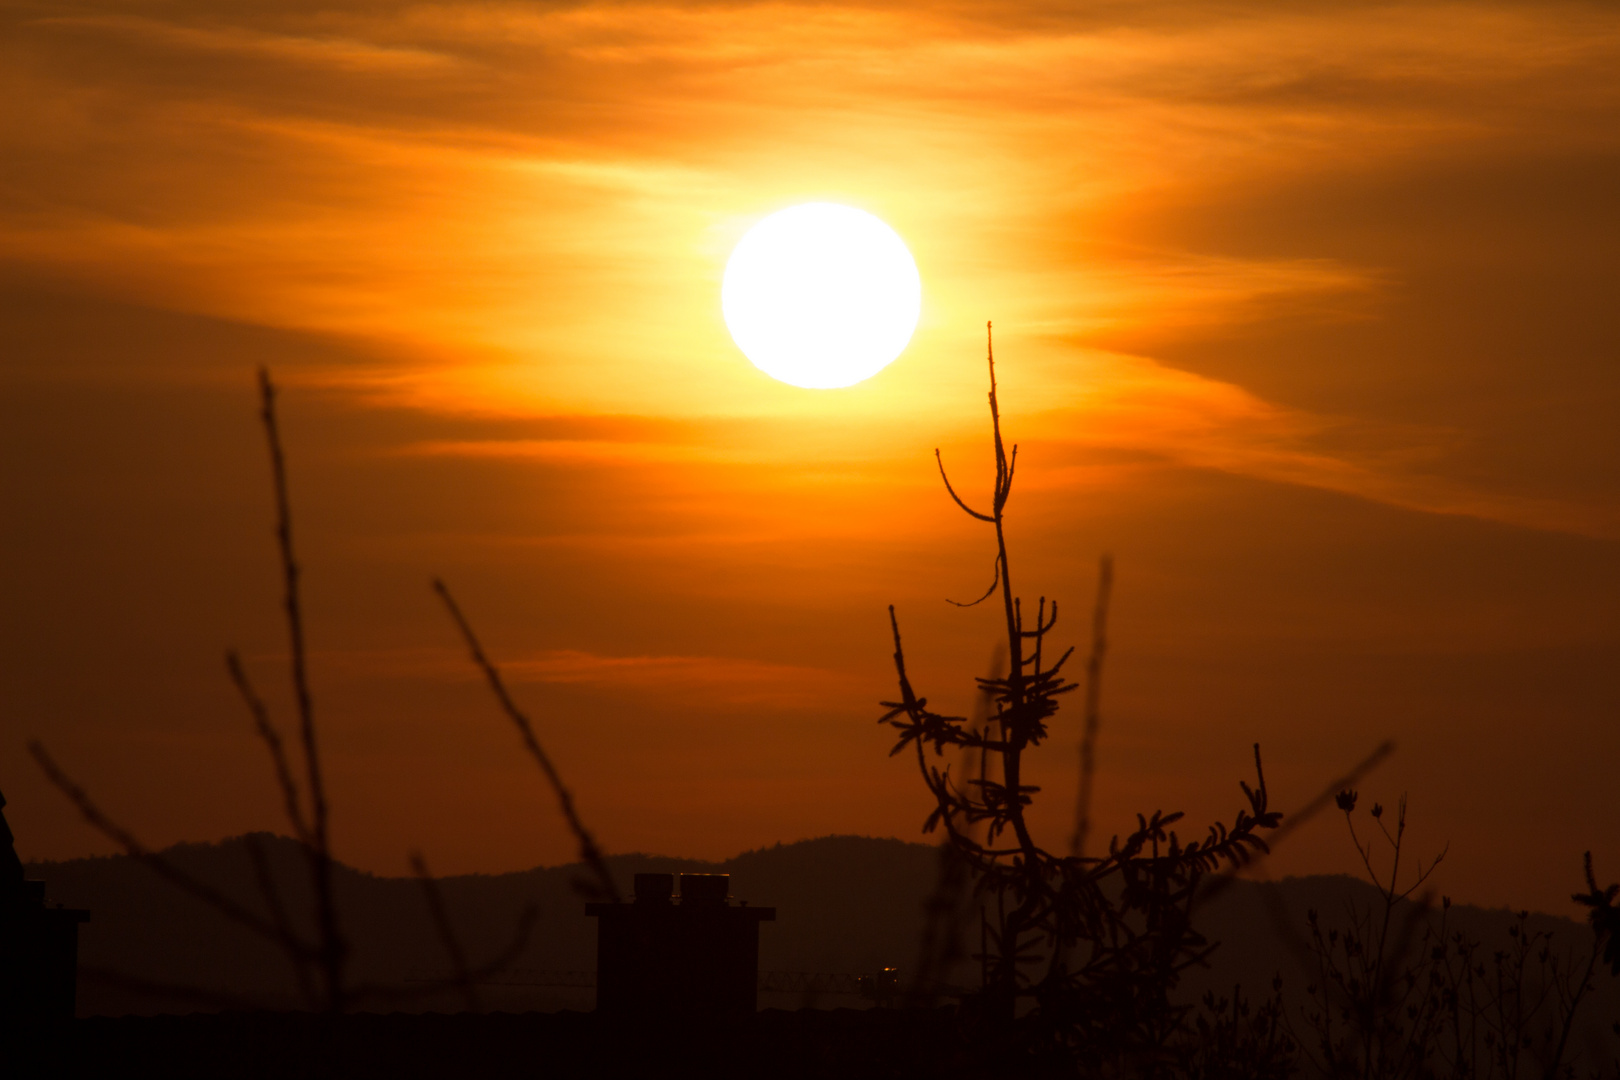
(528, 206)
(571, 450)
(682, 680)
(246, 42)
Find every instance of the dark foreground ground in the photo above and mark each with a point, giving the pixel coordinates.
(775, 1043)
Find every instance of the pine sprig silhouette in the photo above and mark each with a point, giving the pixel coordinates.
(1604, 915)
(1082, 952)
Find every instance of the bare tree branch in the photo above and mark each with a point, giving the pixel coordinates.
(278, 915)
(995, 579)
(588, 851)
(333, 949)
(157, 863)
(272, 741)
(972, 512)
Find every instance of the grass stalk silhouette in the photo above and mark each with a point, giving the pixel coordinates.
(1088, 740)
(1398, 993)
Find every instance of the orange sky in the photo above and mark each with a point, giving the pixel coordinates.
(1307, 316)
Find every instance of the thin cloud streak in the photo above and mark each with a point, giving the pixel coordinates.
(339, 52)
(687, 679)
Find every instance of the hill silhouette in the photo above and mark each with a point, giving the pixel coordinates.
(846, 904)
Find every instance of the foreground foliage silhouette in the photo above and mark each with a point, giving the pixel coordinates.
(1082, 953)
(319, 958)
(1399, 991)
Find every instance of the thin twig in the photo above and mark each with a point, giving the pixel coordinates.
(588, 851)
(995, 579)
(972, 512)
(159, 865)
(272, 741)
(332, 946)
(1088, 740)
(446, 932)
(359, 992)
(278, 915)
(1366, 765)
(1349, 780)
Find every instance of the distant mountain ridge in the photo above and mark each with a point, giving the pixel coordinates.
(844, 904)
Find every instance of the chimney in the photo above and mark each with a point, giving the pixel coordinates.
(39, 945)
(698, 957)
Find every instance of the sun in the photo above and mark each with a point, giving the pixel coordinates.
(821, 295)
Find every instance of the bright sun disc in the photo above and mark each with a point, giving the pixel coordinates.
(821, 295)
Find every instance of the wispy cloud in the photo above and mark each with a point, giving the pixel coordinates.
(530, 206)
(681, 680)
(331, 51)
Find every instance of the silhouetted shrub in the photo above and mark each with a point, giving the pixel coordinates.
(1399, 993)
(1081, 953)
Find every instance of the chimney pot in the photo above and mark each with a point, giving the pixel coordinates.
(705, 888)
(654, 888)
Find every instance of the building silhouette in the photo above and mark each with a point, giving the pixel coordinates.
(691, 955)
(39, 945)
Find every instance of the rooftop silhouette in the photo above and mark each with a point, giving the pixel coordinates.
(39, 945)
(697, 955)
